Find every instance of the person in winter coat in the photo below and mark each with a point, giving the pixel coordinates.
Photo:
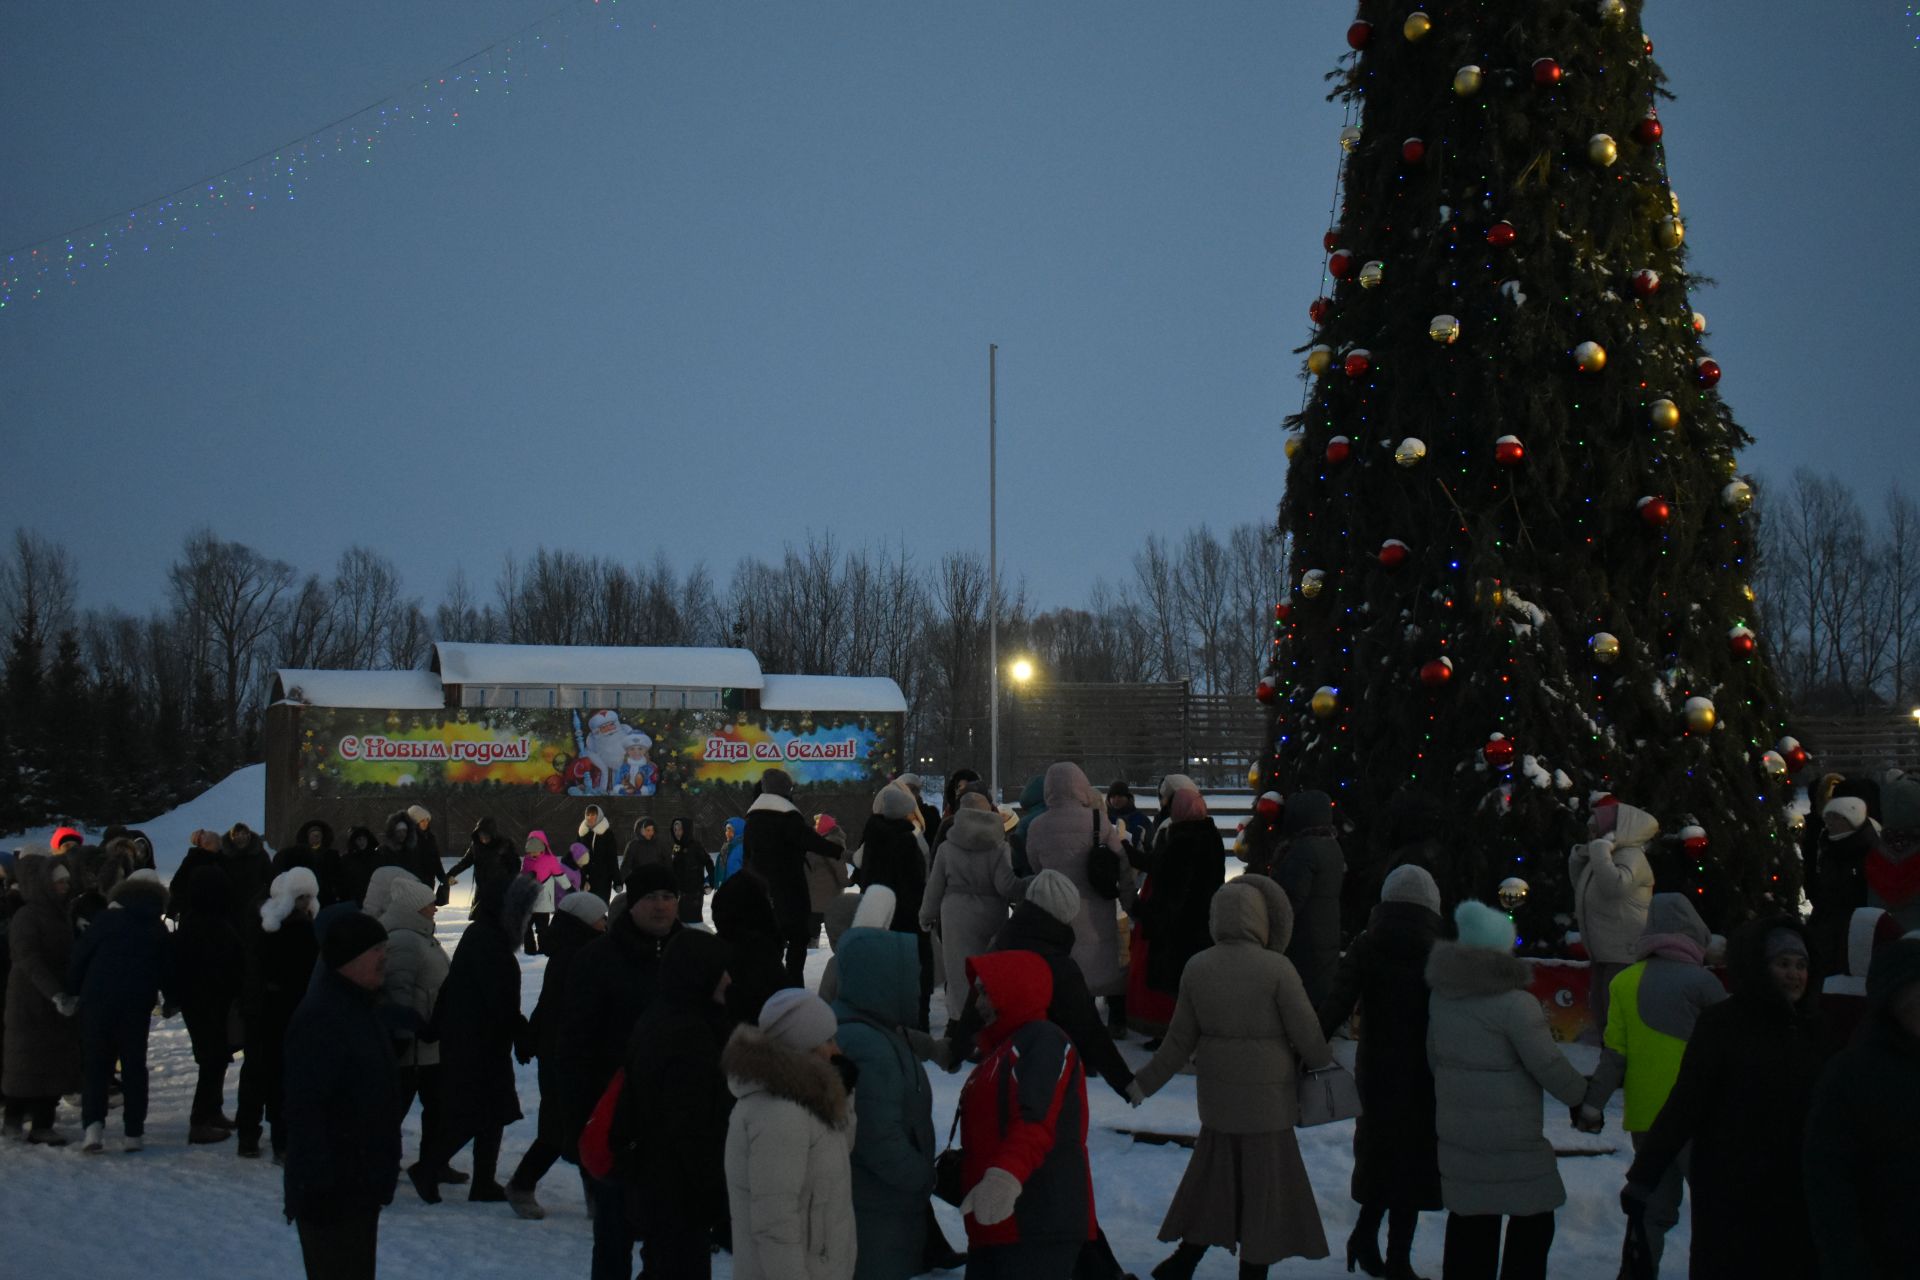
(281, 950)
(1612, 890)
(1028, 1194)
(691, 869)
(97, 871)
(343, 1147)
(479, 1022)
(788, 1167)
(893, 1146)
(210, 957)
(1063, 839)
(1125, 814)
(743, 915)
(121, 966)
(872, 910)
(143, 859)
(240, 857)
(1492, 1056)
(358, 863)
(1863, 1134)
(1396, 1159)
(400, 846)
(581, 919)
(43, 1056)
(601, 862)
(1651, 1013)
(427, 862)
(417, 967)
(489, 856)
(669, 1134)
(1033, 803)
(1263, 838)
(1187, 870)
(777, 841)
(1312, 869)
(891, 853)
(313, 849)
(1741, 1098)
(550, 880)
(1893, 869)
(646, 846)
(826, 876)
(969, 891)
(732, 851)
(1836, 852)
(1243, 1017)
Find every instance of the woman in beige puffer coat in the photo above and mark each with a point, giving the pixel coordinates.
(416, 967)
(970, 891)
(1062, 839)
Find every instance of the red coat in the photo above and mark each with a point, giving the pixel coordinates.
(1024, 1109)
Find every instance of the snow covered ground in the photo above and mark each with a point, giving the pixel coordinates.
(239, 797)
(179, 1211)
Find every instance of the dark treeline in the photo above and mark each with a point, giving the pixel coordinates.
(110, 715)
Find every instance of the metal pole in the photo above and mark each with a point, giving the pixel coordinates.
(993, 570)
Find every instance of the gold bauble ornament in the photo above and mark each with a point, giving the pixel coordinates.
(1253, 778)
(1373, 275)
(1444, 329)
(1737, 497)
(1746, 592)
(1312, 583)
(1325, 701)
(1602, 149)
(1467, 80)
(1292, 446)
(1605, 647)
(1416, 26)
(1775, 764)
(1590, 357)
(1613, 12)
(1350, 137)
(1411, 452)
(1701, 717)
(1673, 201)
(1673, 232)
(1664, 414)
(1319, 359)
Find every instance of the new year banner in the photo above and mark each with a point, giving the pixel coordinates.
(590, 752)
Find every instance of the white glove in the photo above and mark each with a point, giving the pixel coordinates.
(992, 1198)
(66, 1005)
(1135, 1094)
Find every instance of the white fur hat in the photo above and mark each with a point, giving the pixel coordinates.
(798, 1019)
(1848, 811)
(286, 891)
(1056, 895)
(876, 908)
(1411, 884)
(419, 813)
(587, 908)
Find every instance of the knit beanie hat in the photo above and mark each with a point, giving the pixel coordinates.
(894, 802)
(147, 875)
(798, 1019)
(1781, 942)
(1056, 895)
(876, 908)
(588, 908)
(351, 936)
(1174, 782)
(380, 889)
(776, 782)
(536, 844)
(650, 877)
(911, 781)
(1120, 788)
(1411, 884)
(1482, 926)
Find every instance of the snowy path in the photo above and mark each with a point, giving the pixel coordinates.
(179, 1211)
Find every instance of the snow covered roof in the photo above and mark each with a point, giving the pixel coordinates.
(398, 690)
(593, 665)
(832, 693)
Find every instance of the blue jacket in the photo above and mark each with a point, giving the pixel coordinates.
(342, 1104)
(893, 1145)
(123, 962)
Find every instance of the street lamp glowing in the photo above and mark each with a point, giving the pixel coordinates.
(1022, 671)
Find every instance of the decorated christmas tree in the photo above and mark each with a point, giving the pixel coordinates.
(1521, 549)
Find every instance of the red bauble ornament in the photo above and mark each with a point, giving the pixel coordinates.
(1413, 151)
(1358, 361)
(1499, 751)
(1341, 265)
(1647, 40)
(1546, 72)
(1394, 553)
(1508, 451)
(1646, 282)
(1797, 759)
(1269, 805)
(1360, 34)
(1331, 240)
(1435, 674)
(1283, 611)
(1648, 130)
(1319, 309)
(1502, 234)
(1740, 642)
(1706, 372)
(1339, 449)
(1654, 512)
(1693, 839)
(1266, 691)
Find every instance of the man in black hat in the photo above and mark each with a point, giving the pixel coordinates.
(342, 1105)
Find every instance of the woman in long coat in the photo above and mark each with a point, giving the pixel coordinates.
(692, 868)
(1243, 1018)
(1062, 839)
(1187, 869)
(1396, 1160)
(970, 891)
(43, 1043)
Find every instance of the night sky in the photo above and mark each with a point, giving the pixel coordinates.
(731, 275)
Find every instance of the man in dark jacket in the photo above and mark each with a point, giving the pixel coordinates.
(244, 861)
(313, 849)
(743, 915)
(1311, 869)
(121, 965)
(1863, 1134)
(777, 841)
(488, 856)
(342, 1106)
(358, 863)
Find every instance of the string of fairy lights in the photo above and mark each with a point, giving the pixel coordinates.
(209, 208)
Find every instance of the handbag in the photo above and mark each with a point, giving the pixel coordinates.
(1103, 866)
(1636, 1251)
(947, 1168)
(1327, 1095)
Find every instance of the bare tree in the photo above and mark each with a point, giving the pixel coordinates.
(1900, 584)
(228, 597)
(1153, 573)
(37, 589)
(1203, 591)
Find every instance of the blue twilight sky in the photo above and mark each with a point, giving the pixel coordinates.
(732, 274)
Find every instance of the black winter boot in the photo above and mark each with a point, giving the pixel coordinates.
(1250, 1272)
(1181, 1263)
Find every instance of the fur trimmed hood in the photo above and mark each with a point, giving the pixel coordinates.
(772, 804)
(1456, 969)
(977, 830)
(1252, 908)
(141, 889)
(599, 828)
(756, 1063)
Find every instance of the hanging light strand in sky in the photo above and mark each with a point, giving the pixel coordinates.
(207, 209)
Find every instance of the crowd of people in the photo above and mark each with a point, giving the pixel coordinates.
(710, 1101)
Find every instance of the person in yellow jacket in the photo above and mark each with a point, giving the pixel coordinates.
(1650, 1015)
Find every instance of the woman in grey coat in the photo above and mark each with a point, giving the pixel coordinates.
(970, 891)
(1492, 1057)
(1244, 1019)
(1062, 839)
